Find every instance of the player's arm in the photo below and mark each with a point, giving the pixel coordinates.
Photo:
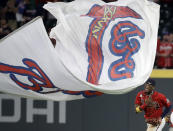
(167, 105)
(139, 106)
(167, 119)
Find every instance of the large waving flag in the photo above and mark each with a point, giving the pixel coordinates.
(100, 48)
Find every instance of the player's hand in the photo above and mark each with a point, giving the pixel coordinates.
(138, 109)
(167, 119)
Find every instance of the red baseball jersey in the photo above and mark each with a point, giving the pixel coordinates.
(159, 101)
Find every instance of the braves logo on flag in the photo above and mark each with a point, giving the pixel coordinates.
(38, 79)
(28, 71)
(120, 44)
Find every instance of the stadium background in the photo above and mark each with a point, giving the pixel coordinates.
(103, 113)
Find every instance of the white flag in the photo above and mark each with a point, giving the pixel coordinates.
(100, 48)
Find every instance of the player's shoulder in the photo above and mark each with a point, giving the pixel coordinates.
(159, 94)
(140, 93)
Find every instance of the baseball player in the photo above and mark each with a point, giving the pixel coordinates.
(152, 103)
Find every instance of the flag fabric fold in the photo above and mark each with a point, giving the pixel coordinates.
(100, 48)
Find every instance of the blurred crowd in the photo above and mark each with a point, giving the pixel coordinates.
(15, 13)
(164, 55)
